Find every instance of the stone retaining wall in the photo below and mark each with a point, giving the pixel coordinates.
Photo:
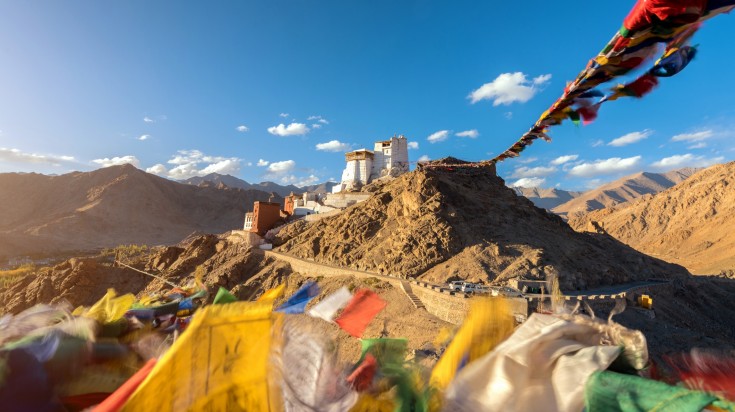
(449, 308)
(441, 302)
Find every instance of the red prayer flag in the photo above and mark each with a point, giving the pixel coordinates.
(360, 312)
(362, 377)
(117, 399)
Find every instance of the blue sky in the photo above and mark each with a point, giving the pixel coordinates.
(277, 90)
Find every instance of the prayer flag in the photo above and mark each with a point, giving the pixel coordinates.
(361, 310)
(219, 363)
(328, 307)
(297, 302)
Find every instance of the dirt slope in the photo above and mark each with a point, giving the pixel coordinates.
(442, 226)
(623, 190)
(108, 207)
(690, 224)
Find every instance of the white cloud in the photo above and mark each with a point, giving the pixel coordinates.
(262, 163)
(334, 146)
(148, 120)
(283, 114)
(250, 163)
(316, 126)
(290, 130)
(282, 167)
(158, 169)
(508, 115)
(190, 163)
(533, 171)
(685, 160)
(318, 119)
(693, 137)
(223, 167)
(528, 182)
(597, 143)
(194, 156)
(424, 158)
(242, 128)
(17, 156)
(539, 80)
(605, 166)
(413, 145)
(439, 136)
(630, 138)
(117, 161)
(300, 181)
(144, 137)
(700, 145)
(523, 160)
(564, 159)
(472, 134)
(508, 88)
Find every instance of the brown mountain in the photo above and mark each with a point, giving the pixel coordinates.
(690, 224)
(108, 207)
(546, 198)
(623, 190)
(235, 182)
(440, 226)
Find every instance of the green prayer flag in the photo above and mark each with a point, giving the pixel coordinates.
(610, 391)
(224, 296)
(387, 351)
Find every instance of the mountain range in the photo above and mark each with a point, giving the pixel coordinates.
(234, 182)
(546, 198)
(568, 203)
(112, 206)
(690, 224)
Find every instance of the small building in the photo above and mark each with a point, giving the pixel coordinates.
(248, 222)
(389, 158)
(289, 203)
(264, 217)
(359, 168)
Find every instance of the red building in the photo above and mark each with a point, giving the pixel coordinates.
(265, 216)
(289, 203)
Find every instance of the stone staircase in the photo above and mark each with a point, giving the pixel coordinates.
(409, 292)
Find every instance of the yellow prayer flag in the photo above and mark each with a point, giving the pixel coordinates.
(488, 323)
(108, 309)
(220, 363)
(272, 294)
(368, 403)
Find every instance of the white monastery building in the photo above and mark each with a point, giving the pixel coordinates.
(389, 158)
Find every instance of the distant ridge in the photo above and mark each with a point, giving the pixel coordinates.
(691, 224)
(234, 182)
(546, 198)
(111, 206)
(623, 190)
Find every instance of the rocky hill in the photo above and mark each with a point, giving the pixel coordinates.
(111, 206)
(623, 190)
(442, 226)
(546, 198)
(690, 224)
